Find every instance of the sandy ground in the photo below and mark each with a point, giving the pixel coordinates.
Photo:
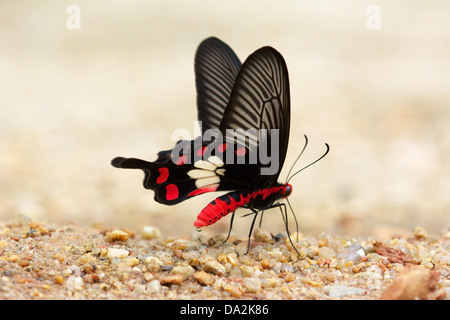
(73, 99)
(40, 261)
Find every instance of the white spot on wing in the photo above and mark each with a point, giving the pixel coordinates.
(220, 172)
(216, 161)
(205, 165)
(198, 174)
(200, 183)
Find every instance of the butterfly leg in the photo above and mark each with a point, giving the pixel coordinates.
(260, 219)
(282, 214)
(231, 226)
(295, 218)
(285, 219)
(251, 228)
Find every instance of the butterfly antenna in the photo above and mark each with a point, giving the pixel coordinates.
(328, 149)
(304, 147)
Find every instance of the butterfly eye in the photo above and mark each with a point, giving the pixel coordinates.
(287, 191)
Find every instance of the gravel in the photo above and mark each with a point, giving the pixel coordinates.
(43, 261)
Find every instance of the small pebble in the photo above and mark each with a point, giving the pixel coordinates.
(248, 271)
(262, 235)
(312, 282)
(115, 253)
(166, 268)
(268, 282)
(352, 253)
(339, 291)
(74, 283)
(13, 258)
(154, 286)
(150, 232)
(252, 285)
(357, 268)
(87, 258)
(59, 257)
(116, 235)
(182, 244)
(204, 278)
(153, 263)
(230, 257)
(132, 261)
(234, 290)
(289, 277)
(172, 279)
(185, 271)
(419, 233)
(59, 279)
(214, 267)
(325, 253)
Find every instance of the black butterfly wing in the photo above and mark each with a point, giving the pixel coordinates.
(216, 67)
(260, 100)
(167, 191)
(175, 176)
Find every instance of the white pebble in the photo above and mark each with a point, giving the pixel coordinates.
(75, 283)
(326, 253)
(183, 244)
(262, 235)
(214, 267)
(153, 263)
(339, 291)
(114, 253)
(150, 232)
(154, 286)
(252, 285)
(185, 271)
(352, 253)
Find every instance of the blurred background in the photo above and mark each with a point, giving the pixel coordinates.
(372, 82)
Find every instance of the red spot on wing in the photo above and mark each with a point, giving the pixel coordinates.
(201, 151)
(163, 175)
(181, 160)
(241, 151)
(222, 148)
(171, 192)
(211, 188)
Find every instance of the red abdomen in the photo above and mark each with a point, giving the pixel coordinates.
(229, 202)
(220, 207)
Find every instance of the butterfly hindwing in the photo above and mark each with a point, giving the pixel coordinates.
(167, 180)
(190, 169)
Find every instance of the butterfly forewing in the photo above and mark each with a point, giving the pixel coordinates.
(260, 100)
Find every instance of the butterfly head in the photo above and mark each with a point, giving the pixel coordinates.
(287, 190)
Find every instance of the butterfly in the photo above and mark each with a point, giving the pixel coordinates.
(244, 113)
